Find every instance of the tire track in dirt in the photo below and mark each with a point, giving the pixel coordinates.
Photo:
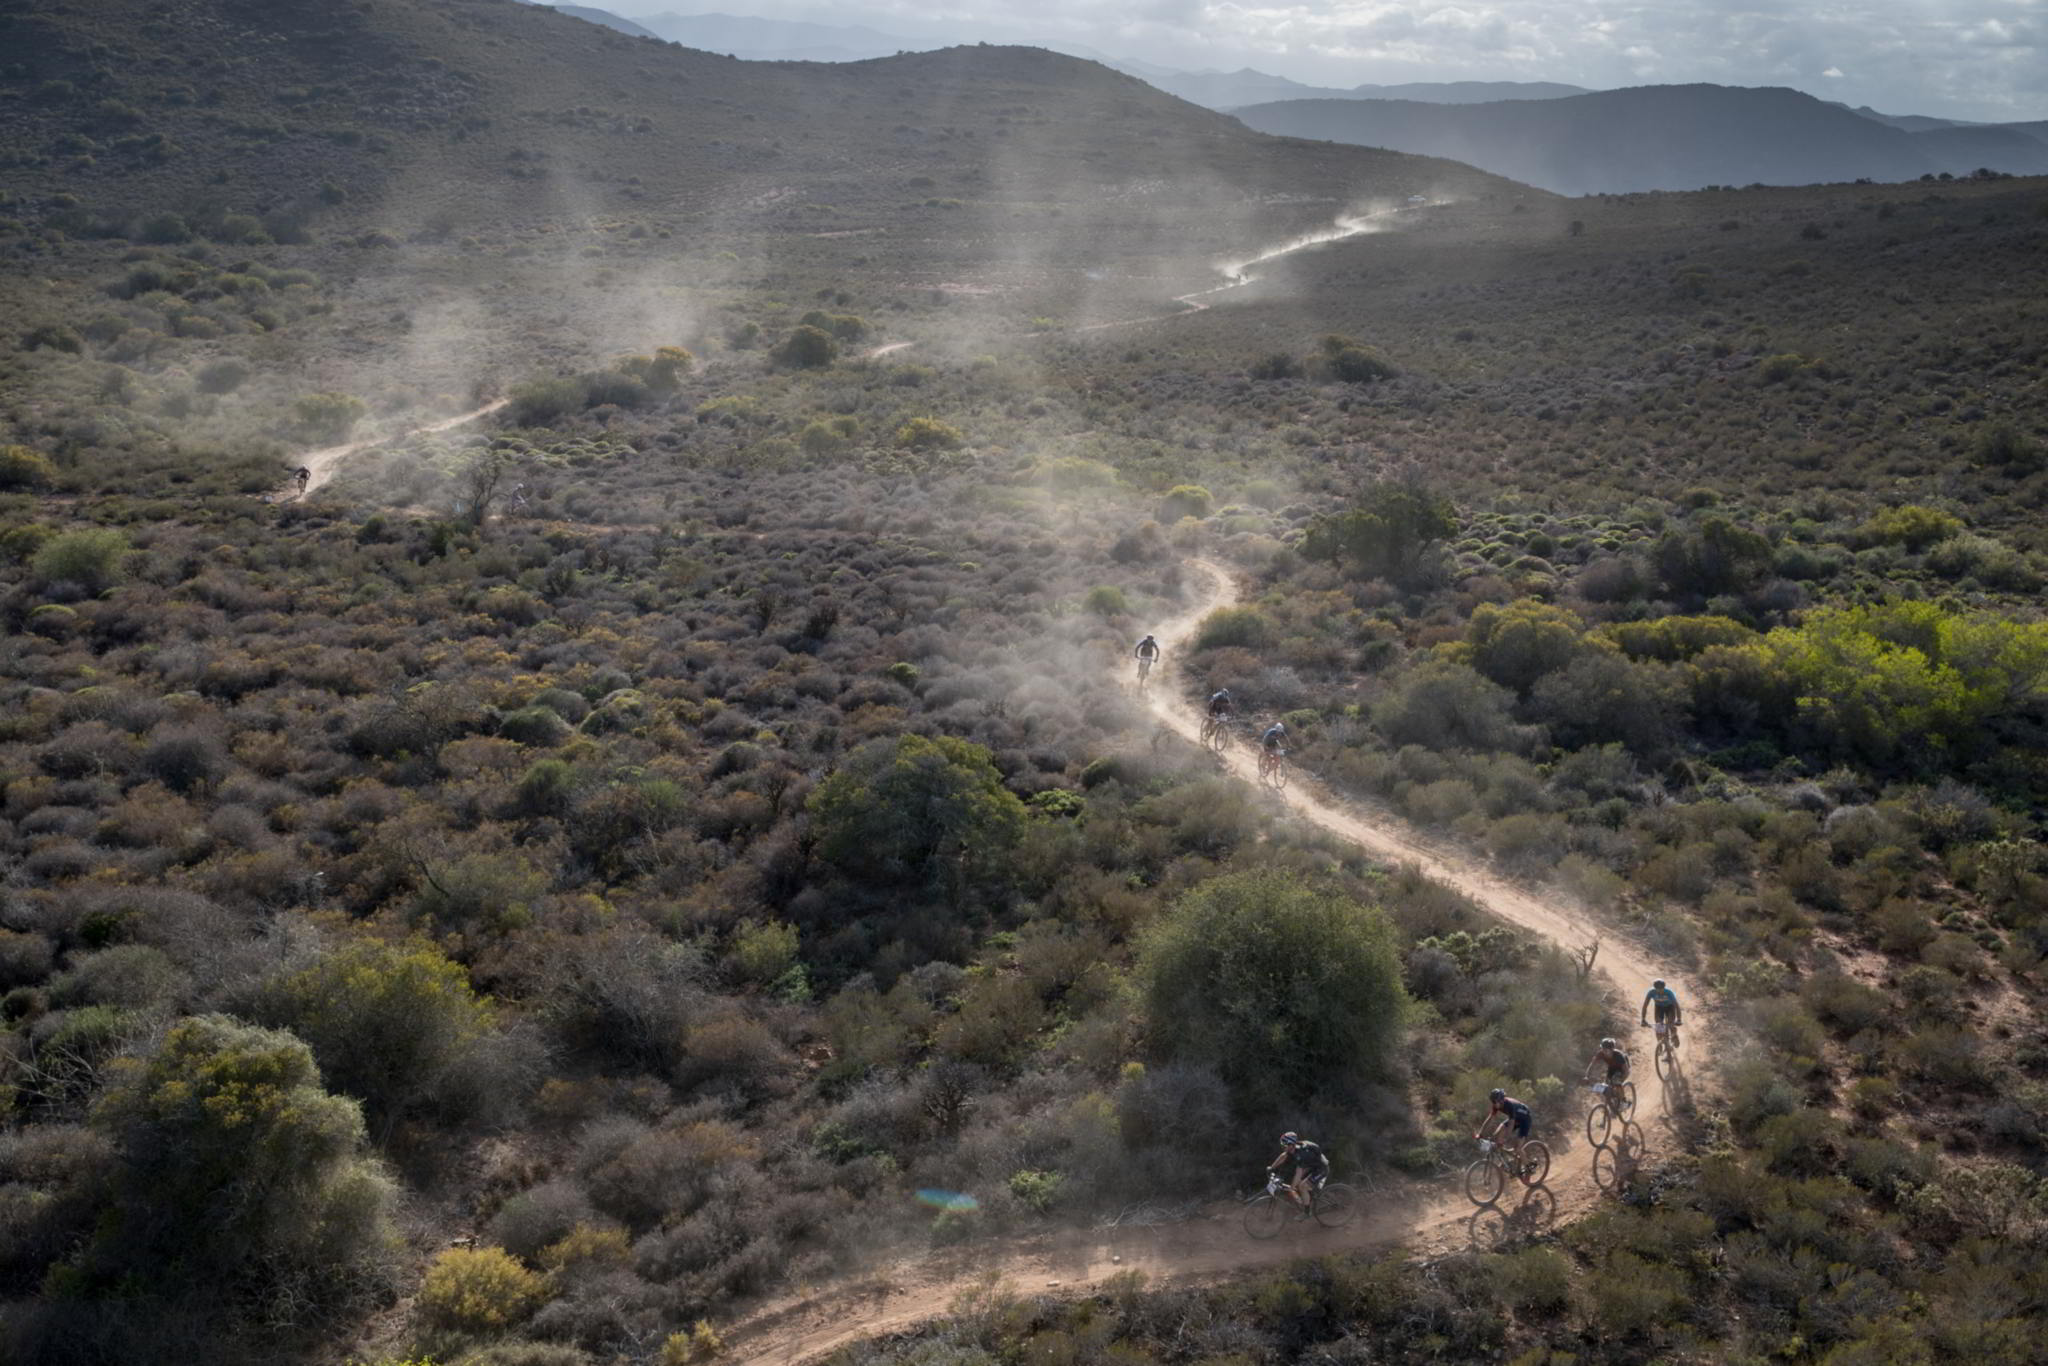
(1427, 1217)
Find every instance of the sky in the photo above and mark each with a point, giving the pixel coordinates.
(1966, 59)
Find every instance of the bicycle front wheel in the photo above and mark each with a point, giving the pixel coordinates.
(1265, 1216)
(1667, 1062)
(1599, 1120)
(1627, 1108)
(1336, 1205)
(1535, 1162)
(1484, 1181)
(1279, 778)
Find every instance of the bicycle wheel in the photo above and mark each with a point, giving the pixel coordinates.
(1264, 1216)
(1667, 1061)
(1627, 1109)
(1599, 1120)
(1535, 1162)
(1279, 778)
(1336, 1205)
(1484, 1181)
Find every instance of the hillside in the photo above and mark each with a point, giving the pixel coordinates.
(1660, 137)
(475, 165)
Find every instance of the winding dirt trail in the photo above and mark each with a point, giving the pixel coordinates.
(1426, 1217)
(324, 462)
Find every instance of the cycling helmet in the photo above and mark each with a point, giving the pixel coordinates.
(1607, 1043)
(1279, 725)
(1658, 984)
(1143, 641)
(1288, 1140)
(1497, 1094)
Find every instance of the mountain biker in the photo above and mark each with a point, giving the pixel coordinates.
(1511, 1111)
(1615, 1060)
(304, 476)
(1148, 655)
(1221, 704)
(1668, 1013)
(1274, 741)
(1311, 1166)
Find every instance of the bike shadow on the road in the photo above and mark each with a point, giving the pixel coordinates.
(1501, 1223)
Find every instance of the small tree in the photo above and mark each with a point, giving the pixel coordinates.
(807, 348)
(481, 478)
(1286, 989)
(236, 1167)
(1384, 532)
(915, 810)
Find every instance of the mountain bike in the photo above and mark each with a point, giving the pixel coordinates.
(1613, 1103)
(1273, 768)
(1667, 1048)
(1215, 732)
(1144, 672)
(1332, 1205)
(1486, 1178)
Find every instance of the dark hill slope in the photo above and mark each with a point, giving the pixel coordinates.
(1654, 137)
(450, 115)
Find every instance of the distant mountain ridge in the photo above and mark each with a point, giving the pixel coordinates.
(1229, 90)
(596, 16)
(1662, 138)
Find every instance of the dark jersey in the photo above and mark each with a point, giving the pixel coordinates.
(1309, 1157)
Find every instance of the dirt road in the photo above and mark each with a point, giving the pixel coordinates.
(1426, 1217)
(324, 462)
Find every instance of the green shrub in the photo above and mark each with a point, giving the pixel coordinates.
(1184, 500)
(91, 558)
(1037, 1190)
(914, 810)
(1287, 990)
(806, 348)
(929, 434)
(388, 1022)
(1243, 627)
(1384, 535)
(23, 468)
(1107, 601)
(1535, 1281)
(237, 1168)
(1911, 526)
(478, 1290)
(327, 416)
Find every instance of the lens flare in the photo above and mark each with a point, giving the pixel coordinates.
(953, 1200)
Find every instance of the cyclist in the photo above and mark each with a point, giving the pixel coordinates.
(1148, 655)
(1511, 1111)
(305, 477)
(1221, 704)
(1272, 747)
(1668, 1013)
(1616, 1062)
(1311, 1167)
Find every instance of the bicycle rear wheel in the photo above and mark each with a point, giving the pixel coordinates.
(1336, 1205)
(1264, 1216)
(1484, 1181)
(1535, 1162)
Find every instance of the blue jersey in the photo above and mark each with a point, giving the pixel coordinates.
(1664, 998)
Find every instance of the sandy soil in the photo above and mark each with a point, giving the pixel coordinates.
(1426, 1217)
